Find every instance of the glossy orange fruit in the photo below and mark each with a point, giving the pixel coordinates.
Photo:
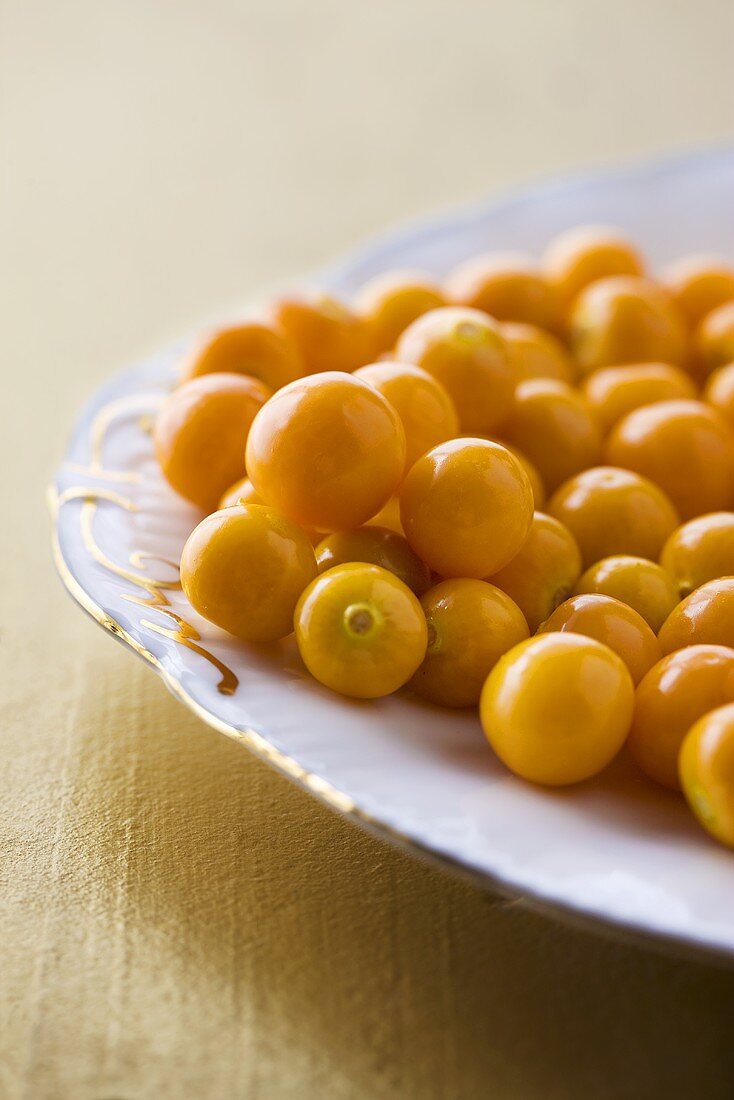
(241, 492)
(641, 584)
(466, 352)
(624, 319)
(427, 412)
(585, 254)
(326, 333)
(714, 339)
(392, 301)
(543, 572)
(536, 481)
(509, 286)
(244, 569)
(706, 617)
(719, 392)
(707, 772)
(673, 695)
(470, 625)
(466, 507)
(536, 353)
(557, 708)
(701, 550)
(254, 348)
(554, 426)
(328, 451)
(200, 434)
(698, 284)
(611, 622)
(685, 447)
(613, 511)
(388, 516)
(360, 630)
(375, 546)
(613, 392)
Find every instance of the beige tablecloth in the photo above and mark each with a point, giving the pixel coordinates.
(175, 920)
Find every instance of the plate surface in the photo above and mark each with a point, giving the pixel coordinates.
(615, 850)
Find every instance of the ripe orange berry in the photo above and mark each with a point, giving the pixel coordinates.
(544, 570)
(326, 333)
(427, 412)
(536, 481)
(701, 550)
(615, 391)
(201, 431)
(254, 348)
(676, 692)
(641, 584)
(584, 255)
(706, 617)
(508, 285)
(470, 625)
(719, 392)
(375, 546)
(392, 301)
(244, 569)
(466, 507)
(698, 284)
(611, 622)
(707, 772)
(685, 447)
(328, 451)
(557, 708)
(553, 425)
(714, 339)
(241, 492)
(612, 511)
(389, 516)
(535, 353)
(625, 320)
(360, 631)
(466, 352)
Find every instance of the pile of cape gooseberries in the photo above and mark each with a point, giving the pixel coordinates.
(513, 489)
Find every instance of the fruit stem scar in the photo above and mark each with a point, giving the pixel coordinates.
(359, 619)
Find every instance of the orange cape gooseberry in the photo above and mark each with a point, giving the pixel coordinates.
(200, 434)
(375, 546)
(615, 391)
(701, 550)
(698, 284)
(674, 694)
(328, 451)
(557, 708)
(706, 617)
(509, 286)
(719, 392)
(585, 254)
(643, 585)
(392, 301)
(706, 768)
(714, 339)
(254, 348)
(466, 507)
(536, 353)
(326, 333)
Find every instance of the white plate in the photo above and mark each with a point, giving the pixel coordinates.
(616, 850)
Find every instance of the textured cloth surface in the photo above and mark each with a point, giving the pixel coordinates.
(176, 921)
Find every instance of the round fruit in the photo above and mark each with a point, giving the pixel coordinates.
(552, 423)
(699, 551)
(536, 481)
(360, 630)
(327, 334)
(388, 516)
(200, 434)
(625, 320)
(584, 255)
(392, 301)
(611, 511)
(557, 708)
(614, 624)
(328, 451)
(676, 692)
(466, 352)
(685, 447)
(535, 353)
(613, 392)
(714, 339)
(255, 348)
(543, 572)
(719, 392)
(707, 772)
(375, 546)
(466, 507)
(637, 582)
(508, 285)
(244, 569)
(241, 492)
(470, 625)
(698, 284)
(706, 617)
(427, 412)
